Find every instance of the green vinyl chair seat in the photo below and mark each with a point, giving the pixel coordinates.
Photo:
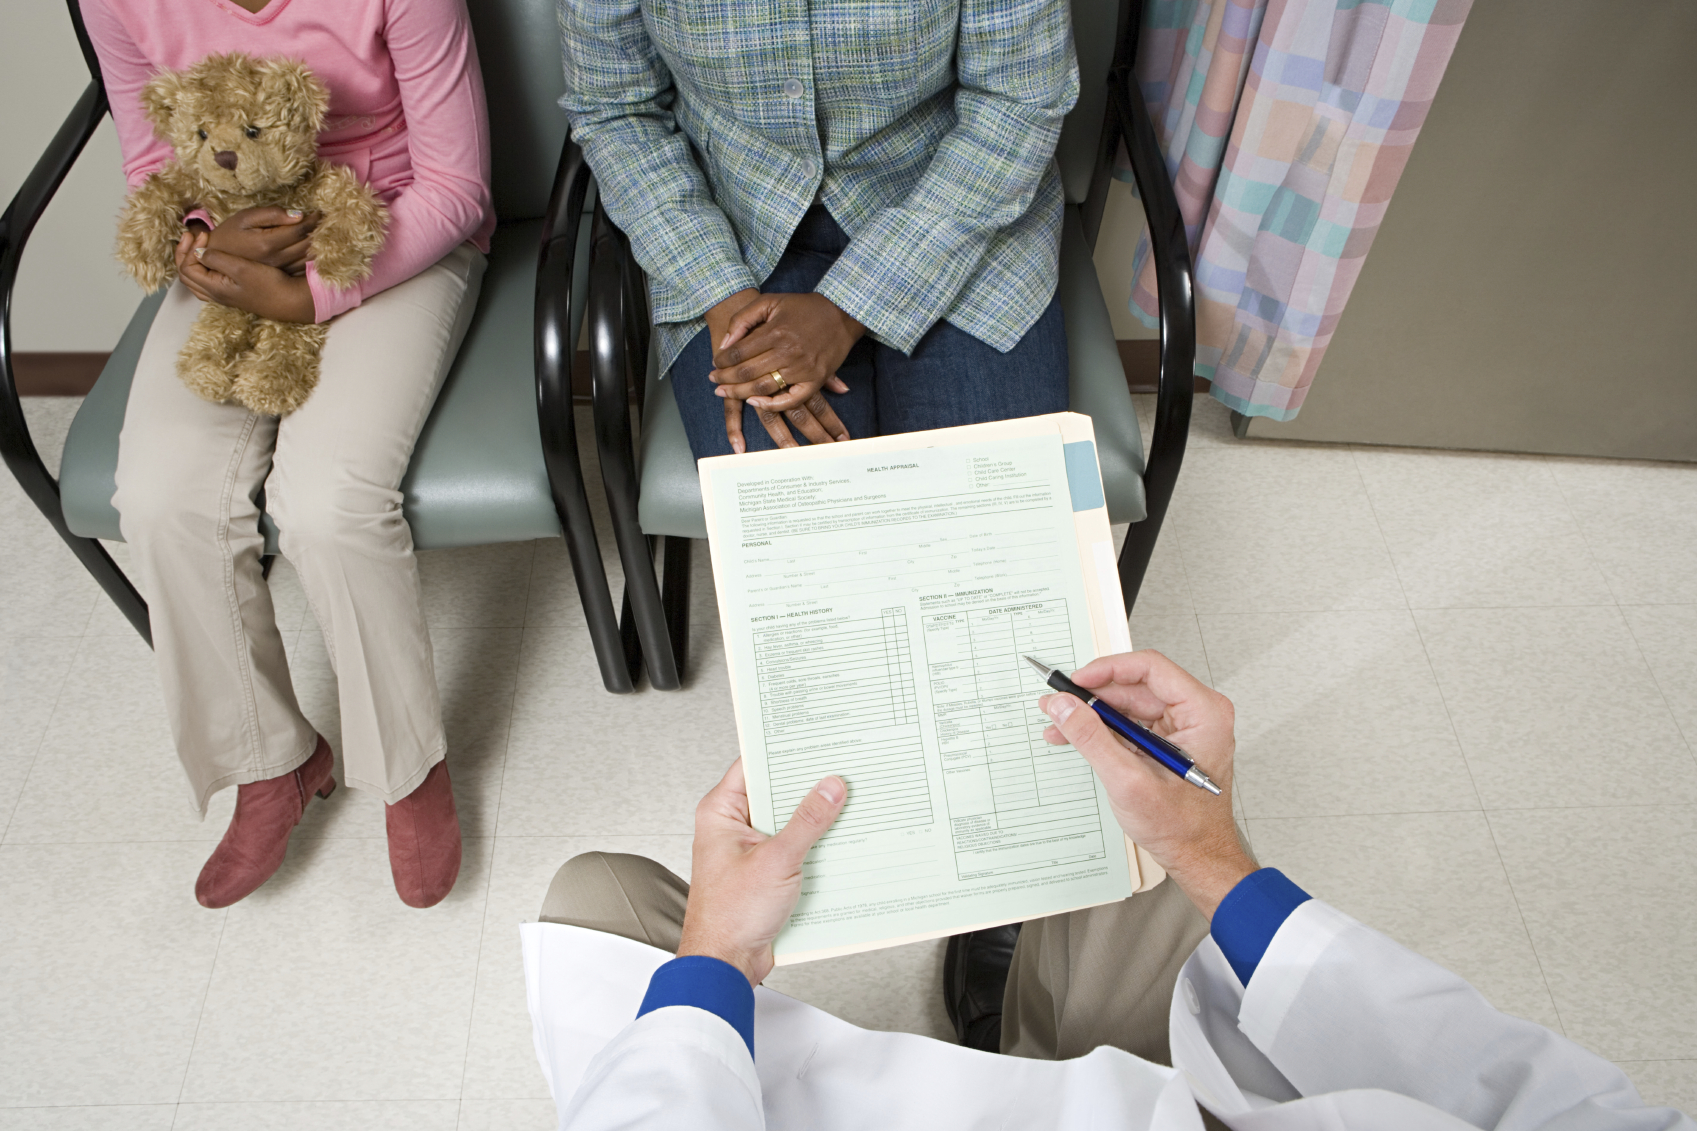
(477, 475)
(670, 502)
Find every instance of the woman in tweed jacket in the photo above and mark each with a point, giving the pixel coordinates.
(848, 210)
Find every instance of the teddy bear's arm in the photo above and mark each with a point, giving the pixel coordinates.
(150, 225)
(351, 231)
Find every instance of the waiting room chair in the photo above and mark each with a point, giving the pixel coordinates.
(653, 489)
(498, 458)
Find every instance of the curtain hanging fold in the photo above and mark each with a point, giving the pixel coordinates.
(1286, 126)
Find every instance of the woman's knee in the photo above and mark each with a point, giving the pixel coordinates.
(329, 509)
(156, 500)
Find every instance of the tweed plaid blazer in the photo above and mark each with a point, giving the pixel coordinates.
(926, 127)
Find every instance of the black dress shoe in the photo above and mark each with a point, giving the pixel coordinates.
(975, 972)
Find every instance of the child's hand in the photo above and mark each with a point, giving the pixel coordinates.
(268, 236)
(194, 238)
(230, 280)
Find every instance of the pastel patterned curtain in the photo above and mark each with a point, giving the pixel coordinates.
(1286, 125)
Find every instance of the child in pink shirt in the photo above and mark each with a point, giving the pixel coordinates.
(407, 115)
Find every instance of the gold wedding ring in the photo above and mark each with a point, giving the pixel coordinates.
(779, 378)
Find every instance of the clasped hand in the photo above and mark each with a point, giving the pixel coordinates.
(803, 337)
(254, 261)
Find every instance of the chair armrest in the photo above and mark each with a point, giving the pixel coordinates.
(556, 320)
(19, 220)
(618, 353)
(1175, 289)
(609, 350)
(555, 344)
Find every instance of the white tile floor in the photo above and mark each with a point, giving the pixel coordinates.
(1467, 697)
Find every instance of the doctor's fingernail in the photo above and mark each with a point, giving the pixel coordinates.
(832, 789)
(1059, 707)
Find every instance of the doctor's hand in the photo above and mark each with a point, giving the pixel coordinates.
(1189, 831)
(744, 884)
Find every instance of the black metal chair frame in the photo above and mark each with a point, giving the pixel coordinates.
(554, 349)
(619, 332)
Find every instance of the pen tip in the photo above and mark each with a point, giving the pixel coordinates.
(1039, 665)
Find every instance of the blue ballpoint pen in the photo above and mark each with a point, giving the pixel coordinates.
(1138, 735)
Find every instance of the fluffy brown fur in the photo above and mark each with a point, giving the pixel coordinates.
(268, 113)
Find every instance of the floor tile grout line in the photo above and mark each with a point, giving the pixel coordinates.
(200, 1015)
(1449, 716)
(1485, 814)
(1573, 516)
(494, 839)
(1681, 805)
(1379, 525)
(1536, 808)
(1655, 680)
(1431, 667)
(1491, 830)
(476, 967)
(35, 755)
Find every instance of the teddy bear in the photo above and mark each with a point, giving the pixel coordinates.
(245, 132)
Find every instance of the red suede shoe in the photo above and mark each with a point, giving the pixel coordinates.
(424, 841)
(266, 813)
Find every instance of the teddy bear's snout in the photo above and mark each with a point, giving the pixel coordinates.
(226, 158)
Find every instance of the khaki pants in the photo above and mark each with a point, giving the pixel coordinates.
(189, 476)
(1103, 976)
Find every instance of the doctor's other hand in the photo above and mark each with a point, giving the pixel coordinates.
(1188, 830)
(743, 883)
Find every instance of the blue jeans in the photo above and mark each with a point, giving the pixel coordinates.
(950, 378)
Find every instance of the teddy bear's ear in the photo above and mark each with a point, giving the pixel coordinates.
(288, 85)
(160, 98)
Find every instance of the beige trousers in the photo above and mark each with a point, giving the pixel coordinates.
(190, 473)
(1103, 976)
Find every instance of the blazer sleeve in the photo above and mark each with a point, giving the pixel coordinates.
(1017, 78)
(674, 1067)
(441, 88)
(1336, 1006)
(619, 95)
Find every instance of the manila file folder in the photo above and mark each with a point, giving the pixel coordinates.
(876, 598)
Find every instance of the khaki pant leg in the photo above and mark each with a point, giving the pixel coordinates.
(188, 473)
(335, 492)
(1102, 976)
(629, 896)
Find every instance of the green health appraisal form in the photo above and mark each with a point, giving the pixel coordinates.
(876, 598)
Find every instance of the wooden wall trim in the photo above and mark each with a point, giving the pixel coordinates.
(56, 374)
(42, 374)
(1141, 360)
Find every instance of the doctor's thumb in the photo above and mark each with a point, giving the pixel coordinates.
(1084, 728)
(816, 813)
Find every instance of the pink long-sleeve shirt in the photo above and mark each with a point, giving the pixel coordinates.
(406, 106)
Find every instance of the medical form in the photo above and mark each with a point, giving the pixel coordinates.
(877, 597)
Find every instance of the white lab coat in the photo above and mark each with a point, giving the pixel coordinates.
(1339, 1028)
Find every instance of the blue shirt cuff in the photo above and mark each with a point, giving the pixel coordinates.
(1250, 915)
(705, 983)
